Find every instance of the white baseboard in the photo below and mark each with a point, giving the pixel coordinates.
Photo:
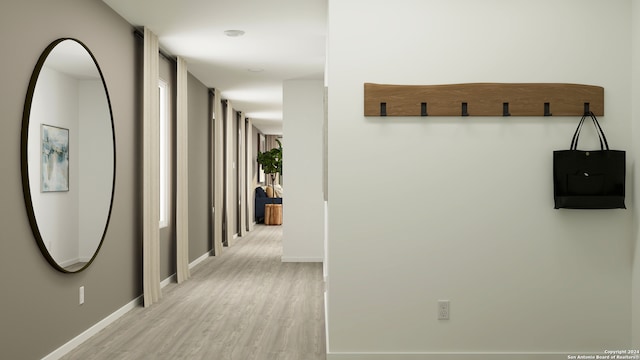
(73, 343)
(301, 259)
(197, 261)
(455, 356)
(168, 281)
(69, 262)
(194, 263)
(326, 319)
(74, 261)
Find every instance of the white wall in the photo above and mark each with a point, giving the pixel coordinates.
(56, 104)
(303, 204)
(74, 223)
(95, 149)
(636, 150)
(422, 209)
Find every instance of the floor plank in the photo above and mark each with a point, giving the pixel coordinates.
(244, 305)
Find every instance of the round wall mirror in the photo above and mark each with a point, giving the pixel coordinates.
(68, 155)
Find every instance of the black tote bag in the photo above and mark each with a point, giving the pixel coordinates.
(589, 179)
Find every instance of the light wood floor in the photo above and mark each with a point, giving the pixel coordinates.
(244, 305)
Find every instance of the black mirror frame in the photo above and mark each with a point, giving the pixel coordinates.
(26, 189)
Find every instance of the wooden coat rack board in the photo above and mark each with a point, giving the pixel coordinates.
(483, 99)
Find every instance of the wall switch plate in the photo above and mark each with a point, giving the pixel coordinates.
(443, 309)
(81, 295)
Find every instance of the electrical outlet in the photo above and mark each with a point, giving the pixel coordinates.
(81, 295)
(443, 309)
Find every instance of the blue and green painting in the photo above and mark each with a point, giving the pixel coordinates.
(55, 159)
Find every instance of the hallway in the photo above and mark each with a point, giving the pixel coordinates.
(246, 304)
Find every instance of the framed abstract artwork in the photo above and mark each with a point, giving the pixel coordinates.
(54, 146)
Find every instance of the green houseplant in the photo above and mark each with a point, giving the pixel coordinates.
(271, 161)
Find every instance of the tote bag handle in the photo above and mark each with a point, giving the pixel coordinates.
(601, 137)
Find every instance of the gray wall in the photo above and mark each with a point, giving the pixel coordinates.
(255, 134)
(199, 195)
(39, 306)
(233, 225)
(167, 234)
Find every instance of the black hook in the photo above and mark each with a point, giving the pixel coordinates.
(383, 109)
(423, 109)
(586, 109)
(547, 109)
(464, 109)
(505, 109)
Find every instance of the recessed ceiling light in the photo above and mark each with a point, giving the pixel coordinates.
(234, 33)
(255, 70)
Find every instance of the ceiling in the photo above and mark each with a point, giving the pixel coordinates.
(283, 40)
